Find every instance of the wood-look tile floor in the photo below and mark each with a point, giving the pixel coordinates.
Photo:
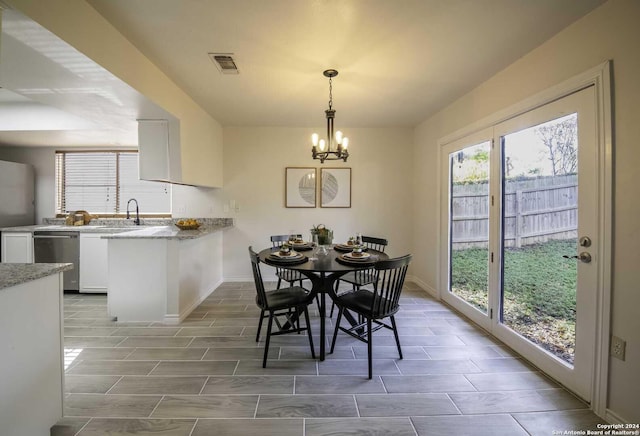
(205, 377)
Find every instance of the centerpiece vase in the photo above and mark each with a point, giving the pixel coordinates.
(324, 237)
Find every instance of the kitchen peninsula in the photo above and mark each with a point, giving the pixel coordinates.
(31, 369)
(161, 273)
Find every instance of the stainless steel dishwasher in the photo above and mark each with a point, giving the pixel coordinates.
(59, 247)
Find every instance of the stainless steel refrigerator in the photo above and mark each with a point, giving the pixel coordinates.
(17, 194)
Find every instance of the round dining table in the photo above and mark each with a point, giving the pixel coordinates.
(323, 270)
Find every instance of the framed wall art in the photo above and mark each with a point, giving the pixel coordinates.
(335, 187)
(300, 187)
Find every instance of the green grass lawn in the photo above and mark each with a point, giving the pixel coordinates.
(539, 291)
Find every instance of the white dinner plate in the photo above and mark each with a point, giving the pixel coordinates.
(350, 256)
(291, 255)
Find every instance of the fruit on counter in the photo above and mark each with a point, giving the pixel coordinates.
(190, 222)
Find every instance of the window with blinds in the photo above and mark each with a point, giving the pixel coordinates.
(102, 183)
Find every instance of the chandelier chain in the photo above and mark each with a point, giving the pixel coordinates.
(330, 93)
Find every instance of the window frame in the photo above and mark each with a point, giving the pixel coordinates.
(59, 187)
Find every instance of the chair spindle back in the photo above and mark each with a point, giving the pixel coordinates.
(390, 276)
(378, 244)
(257, 278)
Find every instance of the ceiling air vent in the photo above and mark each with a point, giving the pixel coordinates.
(224, 62)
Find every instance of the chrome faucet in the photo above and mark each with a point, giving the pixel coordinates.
(137, 220)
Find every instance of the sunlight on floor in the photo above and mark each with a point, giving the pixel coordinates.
(71, 354)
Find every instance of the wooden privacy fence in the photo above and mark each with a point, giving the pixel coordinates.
(536, 210)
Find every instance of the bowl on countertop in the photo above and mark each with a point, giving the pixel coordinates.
(187, 226)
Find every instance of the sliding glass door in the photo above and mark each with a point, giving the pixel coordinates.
(521, 209)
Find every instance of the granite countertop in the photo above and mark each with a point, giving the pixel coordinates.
(167, 232)
(12, 274)
(81, 229)
(150, 228)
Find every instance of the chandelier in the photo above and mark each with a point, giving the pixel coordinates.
(335, 146)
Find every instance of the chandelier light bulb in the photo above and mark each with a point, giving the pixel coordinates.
(345, 142)
(314, 139)
(339, 137)
(322, 144)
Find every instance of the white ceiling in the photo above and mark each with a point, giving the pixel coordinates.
(53, 95)
(399, 61)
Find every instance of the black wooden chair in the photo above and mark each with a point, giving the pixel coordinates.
(375, 305)
(289, 303)
(366, 276)
(290, 276)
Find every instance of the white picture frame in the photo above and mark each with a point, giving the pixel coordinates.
(300, 187)
(335, 187)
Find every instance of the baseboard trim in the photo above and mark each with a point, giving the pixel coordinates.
(237, 279)
(177, 319)
(613, 418)
(431, 291)
(171, 320)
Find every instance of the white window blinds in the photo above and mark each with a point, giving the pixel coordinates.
(103, 182)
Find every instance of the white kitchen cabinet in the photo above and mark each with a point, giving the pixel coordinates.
(17, 247)
(94, 262)
(159, 152)
(163, 158)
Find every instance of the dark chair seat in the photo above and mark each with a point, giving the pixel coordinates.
(362, 302)
(285, 298)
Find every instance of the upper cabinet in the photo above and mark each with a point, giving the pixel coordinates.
(159, 149)
(163, 157)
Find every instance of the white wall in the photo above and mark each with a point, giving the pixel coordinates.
(190, 201)
(609, 32)
(254, 169)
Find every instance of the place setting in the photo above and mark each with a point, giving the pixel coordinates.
(285, 255)
(354, 243)
(300, 244)
(357, 256)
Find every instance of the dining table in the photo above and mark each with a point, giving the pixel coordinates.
(323, 270)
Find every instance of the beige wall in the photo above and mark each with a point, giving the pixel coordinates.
(609, 32)
(77, 23)
(254, 167)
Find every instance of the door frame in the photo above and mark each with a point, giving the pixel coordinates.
(600, 78)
